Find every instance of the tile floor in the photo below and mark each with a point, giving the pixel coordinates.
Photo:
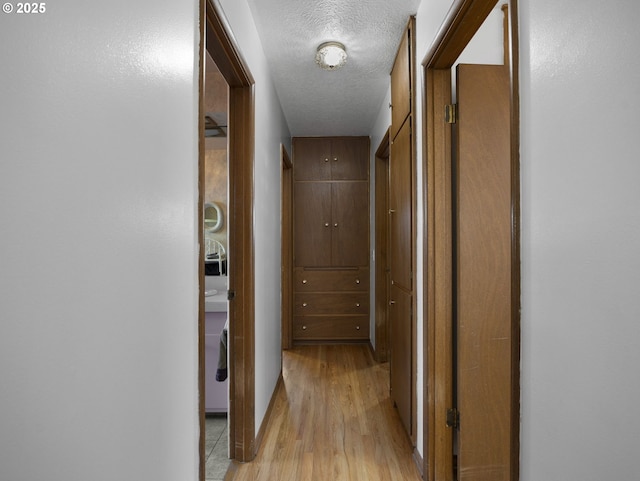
(216, 447)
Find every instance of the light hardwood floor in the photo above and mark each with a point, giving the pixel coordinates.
(332, 419)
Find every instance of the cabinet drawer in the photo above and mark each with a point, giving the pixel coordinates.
(338, 303)
(318, 328)
(331, 280)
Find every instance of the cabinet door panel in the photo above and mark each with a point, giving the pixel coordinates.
(350, 158)
(312, 216)
(401, 348)
(350, 228)
(400, 87)
(400, 252)
(484, 273)
(312, 159)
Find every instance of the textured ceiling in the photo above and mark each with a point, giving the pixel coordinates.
(341, 102)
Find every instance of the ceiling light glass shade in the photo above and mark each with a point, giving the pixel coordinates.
(331, 55)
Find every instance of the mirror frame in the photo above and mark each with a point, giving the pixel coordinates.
(209, 224)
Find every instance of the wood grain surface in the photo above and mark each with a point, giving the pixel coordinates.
(332, 419)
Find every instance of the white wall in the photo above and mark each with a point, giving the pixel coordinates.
(271, 130)
(580, 240)
(98, 253)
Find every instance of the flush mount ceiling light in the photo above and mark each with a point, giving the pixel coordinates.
(331, 55)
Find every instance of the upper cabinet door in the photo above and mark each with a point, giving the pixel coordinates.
(401, 86)
(312, 157)
(337, 158)
(350, 158)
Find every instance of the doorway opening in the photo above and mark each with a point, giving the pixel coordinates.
(219, 45)
(382, 249)
(216, 249)
(465, 202)
(286, 209)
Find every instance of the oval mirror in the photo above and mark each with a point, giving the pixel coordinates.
(212, 217)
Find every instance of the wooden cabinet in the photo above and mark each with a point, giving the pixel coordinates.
(331, 224)
(331, 304)
(400, 206)
(401, 85)
(331, 238)
(402, 228)
(331, 158)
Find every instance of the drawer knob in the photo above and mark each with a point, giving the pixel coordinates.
(304, 281)
(391, 303)
(357, 328)
(326, 159)
(326, 224)
(335, 159)
(304, 328)
(335, 225)
(304, 304)
(357, 304)
(357, 281)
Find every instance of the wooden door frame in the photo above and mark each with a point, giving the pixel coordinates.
(286, 247)
(221, 46)
(381, 293)
(464, 19)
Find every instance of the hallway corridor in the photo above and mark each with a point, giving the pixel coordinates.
(332, 420)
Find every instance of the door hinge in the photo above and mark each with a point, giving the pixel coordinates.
(231, 295)
(451, 113)
(453, 418)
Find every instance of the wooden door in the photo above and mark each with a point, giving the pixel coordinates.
(400, 273)
(400, 254)
(483, 284)
(350, 224)
(349, 158)
(312, 224)
(401, 377)
(401, 232)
